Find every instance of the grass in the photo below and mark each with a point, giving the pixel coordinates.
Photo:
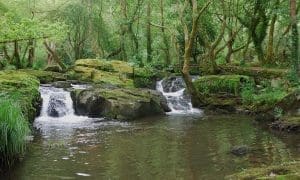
(14, 129)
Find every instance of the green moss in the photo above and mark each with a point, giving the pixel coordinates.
(112, 78)
(25, 87)
(117, 73)
(222, 84)
(104, 65)
(256, 72)
(45, 76)
(144, 77)
(288, 171)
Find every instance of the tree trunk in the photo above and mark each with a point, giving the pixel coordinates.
(123, 28)
(195, 95)
(295, 37)
(6, 55)
(148, 33)
(230, 47)
(245, 52)
(270, 48)
(53, 54)
(31, 53)
(17, 55)
(189, 37)
(165, 38)
(260, 52)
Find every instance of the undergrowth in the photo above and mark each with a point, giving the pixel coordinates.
(13, 132)
(266, 96)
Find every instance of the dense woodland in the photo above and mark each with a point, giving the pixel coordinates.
(159, 33)
(245, 54)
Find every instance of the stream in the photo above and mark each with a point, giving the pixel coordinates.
(184, 144)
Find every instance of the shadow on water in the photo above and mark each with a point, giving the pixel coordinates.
(168, 147)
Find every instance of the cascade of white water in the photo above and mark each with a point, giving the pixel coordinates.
(178, 101)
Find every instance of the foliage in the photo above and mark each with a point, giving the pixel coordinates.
(266, 96)
(14, 129)
(224, 83)
(145, 77)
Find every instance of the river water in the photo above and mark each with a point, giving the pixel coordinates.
(180, 145)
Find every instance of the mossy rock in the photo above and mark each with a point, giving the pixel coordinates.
(45, 77)
(105, 65)
(288, 171)
(121, 104)
(214, 84)
(117, 73)
(23, 87)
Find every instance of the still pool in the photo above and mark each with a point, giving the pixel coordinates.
(167, 147)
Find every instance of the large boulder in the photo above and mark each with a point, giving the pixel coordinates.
(122, 104)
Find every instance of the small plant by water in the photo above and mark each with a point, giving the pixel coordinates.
(13, 131)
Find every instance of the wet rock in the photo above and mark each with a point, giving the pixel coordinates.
(56, 107)
(173, 84)
(62, 84)
(240, 150)
(122, 104)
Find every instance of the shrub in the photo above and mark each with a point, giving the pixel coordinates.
(13, 131)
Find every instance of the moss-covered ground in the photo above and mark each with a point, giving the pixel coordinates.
(288, 171)
(22, 87)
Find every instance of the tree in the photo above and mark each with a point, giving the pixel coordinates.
(295, 37)
(189, 38)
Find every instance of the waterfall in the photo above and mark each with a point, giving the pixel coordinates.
(58, 106)
(178, 100)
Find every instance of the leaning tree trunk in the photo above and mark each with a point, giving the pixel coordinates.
(54, 55)
(195, 95)
(189, 37)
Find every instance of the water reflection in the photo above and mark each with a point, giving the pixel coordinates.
(171, 147)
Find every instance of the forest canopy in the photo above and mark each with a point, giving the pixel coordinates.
(151, 33)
